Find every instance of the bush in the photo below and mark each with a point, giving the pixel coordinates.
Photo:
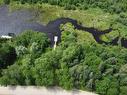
(21, 50)
(123, 81)
(12, 76)
(45, 67)
(3, 40)
(102, 67)
(123, 69)
(123, 90)
(111, 61)
(72, 55)
(7, 1)
(70, 7)
(113, 91)
(102, 86)
(28, 37)
(65, 80)
(90, 85)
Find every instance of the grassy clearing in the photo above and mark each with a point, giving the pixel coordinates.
(84, 37)
(110, 36)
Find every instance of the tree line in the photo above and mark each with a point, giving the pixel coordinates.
(112, 6)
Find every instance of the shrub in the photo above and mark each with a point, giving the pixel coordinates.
(65, 80)
(45, 66)
(90, 85)
(6, 1)
(123, 90)
(111, 61)
(123, 69)
(12, 76)
(123, 81)
(113, 91)
(21, 50)
(72, 55)
(28, 37)
(102, 86)
(102, 67)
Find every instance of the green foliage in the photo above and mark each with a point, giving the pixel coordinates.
(122, 18)
(68, 35)
(65, 80)
(6, 1)
(1, 2)
(72, 55)
(113, 91)
(7, 55)
(12, 76)
(102, 67)
(107, 5)
(123, 69)
(123, 81)
(29, 37)
(102, 86)
(93, 61)
(44, 72)
(21, 50)
(123, 90)
(45, 68)
(73, 64)
(90, 85)
(31, 42)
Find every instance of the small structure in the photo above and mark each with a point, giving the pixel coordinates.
(6, 37)
(55, 40)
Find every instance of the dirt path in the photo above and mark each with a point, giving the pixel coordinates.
(19, 90)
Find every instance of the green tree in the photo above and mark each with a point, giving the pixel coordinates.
(45, 68)
(28, 37)
(12, 76)
(102, 86)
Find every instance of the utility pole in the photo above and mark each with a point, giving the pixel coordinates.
(55, 40)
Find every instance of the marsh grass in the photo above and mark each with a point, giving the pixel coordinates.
(92, 17)
(45, 12)
(1, 2)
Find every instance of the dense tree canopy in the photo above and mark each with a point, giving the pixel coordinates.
(74, 64)
(113, 6)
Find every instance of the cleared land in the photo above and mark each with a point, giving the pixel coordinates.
(19, 90)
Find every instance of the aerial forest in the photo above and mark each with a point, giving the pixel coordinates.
(78, 61)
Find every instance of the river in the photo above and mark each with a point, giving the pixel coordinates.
(21, 20)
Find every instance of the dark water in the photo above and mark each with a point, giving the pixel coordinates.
(18, 21)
